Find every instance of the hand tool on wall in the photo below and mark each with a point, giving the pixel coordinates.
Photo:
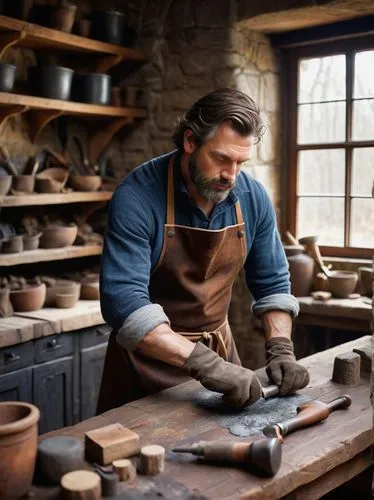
(310, 245)
(308, 413)
(262, 456)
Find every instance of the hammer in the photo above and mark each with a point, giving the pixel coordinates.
(308, 413)
(262, 457)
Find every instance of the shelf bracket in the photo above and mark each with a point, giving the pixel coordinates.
(10, 110)
(101, 136)
(9, 38)
(40, 119)
(104, 64)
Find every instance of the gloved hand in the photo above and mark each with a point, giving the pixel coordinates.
(239, 386)
(282, 367)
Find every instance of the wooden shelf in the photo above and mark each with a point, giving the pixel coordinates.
(53, 199)
(44, 255)
(24, 34)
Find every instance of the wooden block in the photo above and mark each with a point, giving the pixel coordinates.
(152, 458)
(80, 485)
(366, 355)
(109, 443)
(347, 368)
(125, 469)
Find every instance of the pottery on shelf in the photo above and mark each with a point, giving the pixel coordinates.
(13, 244)
(61, 17)
(342, 283)
(58, 235)
(5, 184)
(90, 288)
(66, 300)
(23, 184)
(6, 308)
(51, 180)
(31, 241)
(301, 267)
(30, 298)
(85, 182)
(18, 446)
(366, 280)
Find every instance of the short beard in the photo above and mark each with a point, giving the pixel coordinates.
(203, 184)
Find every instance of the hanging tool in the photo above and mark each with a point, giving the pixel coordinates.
(262, 456)
(308, 413)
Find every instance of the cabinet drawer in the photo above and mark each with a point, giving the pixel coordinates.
(16, 357)
(54, 346)
(95, 335)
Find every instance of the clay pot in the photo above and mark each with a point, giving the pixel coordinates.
(58, 236)
(31, 298)
(51, 180)
(68, 287)
(90, 289)
(83, 27)
(301, 267)
(342, 283)
(85, 182)
(366, 280)
(31, 242)
(320, 282)
(66, 300)
(18, 445)
(14, 244)
(6, 308)
(23, 183)
(61, 17)
(5, 184)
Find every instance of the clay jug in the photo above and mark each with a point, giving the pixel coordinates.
(301, 267)
(18, 445)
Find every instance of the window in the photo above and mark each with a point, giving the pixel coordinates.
(330, 142)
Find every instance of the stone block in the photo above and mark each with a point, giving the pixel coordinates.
(269, 147)
(270, 93)
(265, 58)
(250, 85)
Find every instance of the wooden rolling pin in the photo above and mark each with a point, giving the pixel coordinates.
(308, 413)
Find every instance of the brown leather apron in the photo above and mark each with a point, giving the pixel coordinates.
(192, 282)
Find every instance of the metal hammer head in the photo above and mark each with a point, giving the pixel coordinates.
(265, 456)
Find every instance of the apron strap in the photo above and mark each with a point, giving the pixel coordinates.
(214, 339)
(170, 212)
(239, 213)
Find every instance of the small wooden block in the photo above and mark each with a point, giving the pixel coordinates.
(366, 355)
(80, 485)
(109, 443)
(320, 295)
(125, 469)
(347, 368)
(152, 458)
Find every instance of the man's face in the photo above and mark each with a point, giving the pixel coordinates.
(214, 166)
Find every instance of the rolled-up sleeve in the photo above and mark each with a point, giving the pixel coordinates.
(266, 266)
(125, 269)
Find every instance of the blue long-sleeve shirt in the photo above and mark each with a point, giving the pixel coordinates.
(134, 239)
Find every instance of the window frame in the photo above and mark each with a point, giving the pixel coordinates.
(289, 59)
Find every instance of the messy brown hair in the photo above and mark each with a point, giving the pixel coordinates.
(222, 105)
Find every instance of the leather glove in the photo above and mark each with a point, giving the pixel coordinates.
(282, 367)
(239, 386)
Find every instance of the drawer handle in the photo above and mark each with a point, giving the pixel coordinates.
(53, 344)
(11, 357)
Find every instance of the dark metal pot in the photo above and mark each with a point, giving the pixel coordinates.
(93, 88)
(53, 82)
(108, 26)
(7, 77)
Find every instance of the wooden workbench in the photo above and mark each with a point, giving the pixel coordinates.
(315, 460)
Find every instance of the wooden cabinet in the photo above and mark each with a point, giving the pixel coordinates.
(60, 374)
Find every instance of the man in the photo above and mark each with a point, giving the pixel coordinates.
(180, 228)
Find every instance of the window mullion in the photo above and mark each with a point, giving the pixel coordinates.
(348, 151)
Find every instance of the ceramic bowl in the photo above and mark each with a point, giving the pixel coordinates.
(66, 300)
(31, 242)
(14, 244)
(85, 182)
(23, 183)
(5, 184)
(58, 236)
(90, 290)
(31, 298)
(51, 180)
(342, 283)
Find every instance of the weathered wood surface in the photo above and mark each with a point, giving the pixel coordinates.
(338, 308)
(53, 199)
(23, 327)
(317, 454)
(44, 255)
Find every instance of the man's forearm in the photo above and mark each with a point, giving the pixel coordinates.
(166, 345)
(277, 324)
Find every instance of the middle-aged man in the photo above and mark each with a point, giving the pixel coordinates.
(180, 228)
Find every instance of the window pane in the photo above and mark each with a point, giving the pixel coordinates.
(362, 223)
(319, 123)
(321, 172)
(362, 172)
(363, 77)
(322, 79)
(363, 120)
(323, 217)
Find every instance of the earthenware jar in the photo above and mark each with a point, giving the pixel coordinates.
(301, 267)
(18, 445)
(342, 283)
